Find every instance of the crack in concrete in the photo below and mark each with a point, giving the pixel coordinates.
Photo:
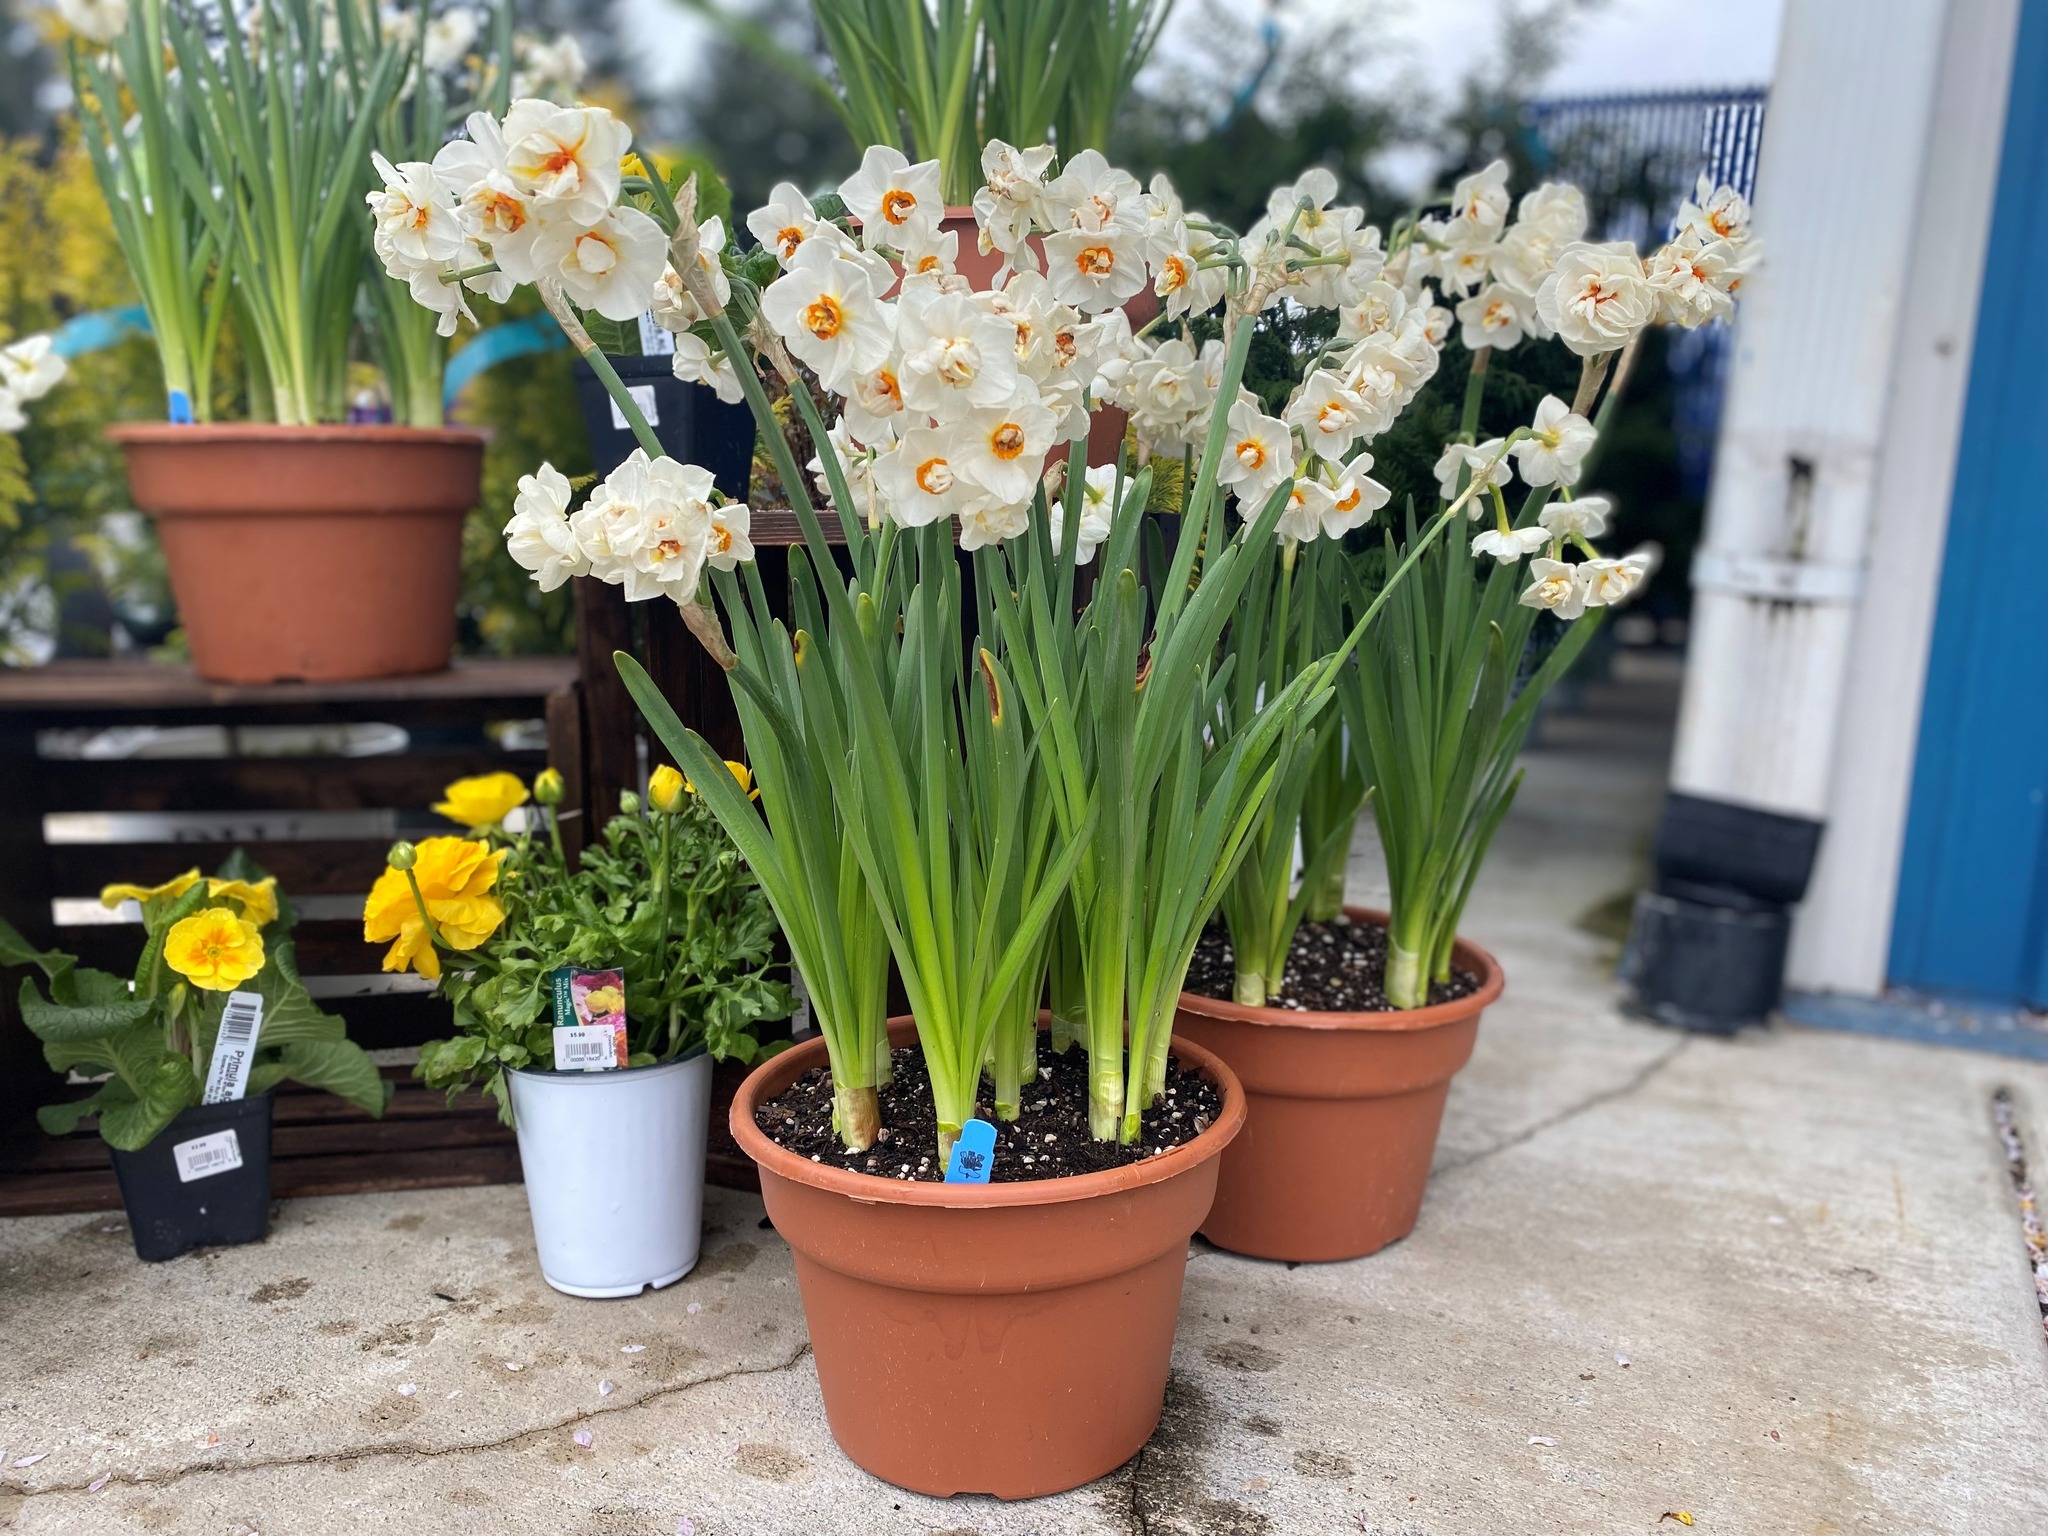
(1635, 1084)
(353, 1454)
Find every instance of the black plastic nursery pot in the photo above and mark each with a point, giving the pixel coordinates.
(694, 425)
(203, 1183)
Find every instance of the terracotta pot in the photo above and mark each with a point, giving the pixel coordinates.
(1343, 1110)
(319, 553)
(1010, 1339)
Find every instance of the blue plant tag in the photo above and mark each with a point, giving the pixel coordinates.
(181, 408)
(974, 1154)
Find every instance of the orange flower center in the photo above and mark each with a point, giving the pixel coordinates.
(1007, 441)
(721, 538)
(503, 214)
(563, 157)
(1252, 453)
(823, 317)
(788, 238)
(1174, 274)
(898, 205)
(1351, 499)
(1096, 261)
(886, 387)
(935, 477)
(1332, 417)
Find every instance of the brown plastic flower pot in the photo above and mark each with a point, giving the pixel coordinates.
(1342, 1115)
(1010, 1339)
(316, 553)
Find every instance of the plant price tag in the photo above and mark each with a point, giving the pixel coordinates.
(586, 1048)
(234, 1049)
(204, 1156)
(643, 396)
(656, 340)
(590, 1019)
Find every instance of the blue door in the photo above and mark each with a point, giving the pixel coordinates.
(1972, 913)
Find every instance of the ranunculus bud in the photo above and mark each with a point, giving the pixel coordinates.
(629, 803)
(665, 790)
(401, 856)
(547, 787)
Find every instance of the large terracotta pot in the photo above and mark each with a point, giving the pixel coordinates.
(320, 553)
(1343, 1111)
(1010, 1339)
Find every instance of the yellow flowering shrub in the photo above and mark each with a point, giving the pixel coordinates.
(455, 878)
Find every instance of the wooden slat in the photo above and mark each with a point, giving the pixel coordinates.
(304, 867)
(410, 781)
(97, 692)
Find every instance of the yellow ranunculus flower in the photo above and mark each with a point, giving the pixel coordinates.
(483, 801)
(602, 1001)
(216, 949)
(455, 877)
(665, 789)
(114, 895)
(742, 775)
(258, 899)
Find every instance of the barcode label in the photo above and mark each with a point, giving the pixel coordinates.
(204, 1156)
(655, 339)
(586, 1048)
(643, 396)
(234, 1048)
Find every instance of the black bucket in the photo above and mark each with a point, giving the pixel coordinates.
(694, 425)
(214, 1194)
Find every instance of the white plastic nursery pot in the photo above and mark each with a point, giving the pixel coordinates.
(614, 1165)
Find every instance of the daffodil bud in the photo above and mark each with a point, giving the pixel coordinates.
(629, 803)
(547, 787)
(401, 856)
(665, 790)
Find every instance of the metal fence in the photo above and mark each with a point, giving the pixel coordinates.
(1637, 158)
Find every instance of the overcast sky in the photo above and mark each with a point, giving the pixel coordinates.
(1617, 45)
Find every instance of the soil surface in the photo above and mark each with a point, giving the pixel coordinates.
(1334, 967)
(1048, 1140)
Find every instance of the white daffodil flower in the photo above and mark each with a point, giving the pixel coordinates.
(1098, 516)
(1186, 286)
(1463, 459)
(1714, 213)
(443, 298)
(1166, 221)
(1554, 585)
(1258, 456)
(1002, 449)
(894, 200)
(1479, 205)
(1355, 497)
(1329, 416)
(449, 36)
(1092, 195)
(726, 541)
(784, 222)
(956, 356)
(1378, 307)
(552, 70)
(930, 264)
(1509, 547)
(1556, 208)
(874, 410)
(416, 221)
(1585, 517)
(1695, 282)
(919, 479)
(857, 461)
(1464, 268)
(1308, 504)
(988, 520)
(493, 208)
(1013, 200)
(30, 368)
(696, 363)
(565, 158)
(12, 417)
(826, 308)
(1494, 317)
(1606, 583)
(1096, 269)
(1597, 299)
(539, 537)
(1558, 443)
(647, 527)
(674, 306)
(612, 266)
(97, 21)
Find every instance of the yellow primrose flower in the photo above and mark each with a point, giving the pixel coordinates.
(604, 1000)
(216, 949)
(258, 899)
(455, 877)
(742, 775)
(483, 801)
(665, 789)
(113, 895)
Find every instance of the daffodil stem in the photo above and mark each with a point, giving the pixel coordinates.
(1475, 391)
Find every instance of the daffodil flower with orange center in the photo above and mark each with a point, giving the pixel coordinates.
(1002, 450)
(216, 949)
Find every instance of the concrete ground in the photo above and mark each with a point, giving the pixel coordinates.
(1774, 1285)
